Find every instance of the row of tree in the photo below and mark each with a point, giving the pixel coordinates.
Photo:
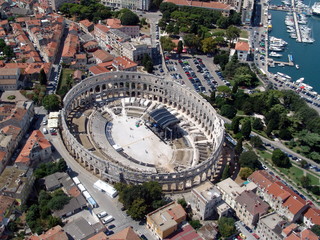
(139, 200)
(95, 11)
(45, 169)
(38, 215)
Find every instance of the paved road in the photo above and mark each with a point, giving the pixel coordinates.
(111, 206)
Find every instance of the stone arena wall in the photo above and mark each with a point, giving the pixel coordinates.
(116, 85)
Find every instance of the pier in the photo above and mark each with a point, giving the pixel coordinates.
(290, 62)
(296, 25)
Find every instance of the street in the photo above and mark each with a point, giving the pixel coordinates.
(111, 206)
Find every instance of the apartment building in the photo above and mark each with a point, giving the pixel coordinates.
(270, 227)
(16, 183)
(124, 64)
(36, 149)
(9, 79)
(135, 51)
(205, 198)
(165, 220)
(130, 4)
(250, 207)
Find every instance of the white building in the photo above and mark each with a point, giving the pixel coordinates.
(204, 199)
(131, 4)
(135, 51)
(270, 227)
(242, 49)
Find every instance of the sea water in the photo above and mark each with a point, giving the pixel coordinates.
(306, 55)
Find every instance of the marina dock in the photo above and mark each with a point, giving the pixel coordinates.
(273, 62)
(296, 25)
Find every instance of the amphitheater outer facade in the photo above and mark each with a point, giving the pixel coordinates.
(115, 85)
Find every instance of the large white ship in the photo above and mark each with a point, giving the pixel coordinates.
(316, 8)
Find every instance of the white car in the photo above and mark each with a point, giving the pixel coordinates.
(102, 214)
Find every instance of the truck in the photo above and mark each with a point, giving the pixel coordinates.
(105, 187)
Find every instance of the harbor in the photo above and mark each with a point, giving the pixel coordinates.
(294, 30)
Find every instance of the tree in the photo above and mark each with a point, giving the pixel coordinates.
(208, 45)
(235, 125)
(57, 202)
(195, 224)
(228, 111)
(305, 181)
(182, 202)
(223, 22)
(180, 47)
(232, 33)
(245, 173)
(280, 159)
(249, 159)
(256, 141)
(226, 226)
(304, 163)
(42, 77)
(238, 148)
(226, 172)
(246, 129)
(257, 124)
(51, 102)
(167, 44)
(316, 229)
(285, 134)
(62, 165)
(149, 67)
(127, 17)
(54, 221)
(138, 209)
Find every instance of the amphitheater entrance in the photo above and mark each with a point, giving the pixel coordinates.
(137, 142)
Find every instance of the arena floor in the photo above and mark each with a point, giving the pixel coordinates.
(141, 143)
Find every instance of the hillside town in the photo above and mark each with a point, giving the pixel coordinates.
(141, 119)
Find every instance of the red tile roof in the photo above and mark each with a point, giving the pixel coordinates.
(86, 23)
(294, 206)
(313, 215)
(262, 179)
(55, 233)
(102, 28)
(102, 55)
(308, 235)
(35, 138)
(124, 63)
(126, 234)
(210, 5)
(242, 46)
(97, 70)
(185, 233)
(99, 236)
(290, 228)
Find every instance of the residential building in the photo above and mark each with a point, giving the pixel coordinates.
(86, 26)
(19, 115)
(242, 49)
(250, 207)
(91, 46)
(270, 227)
(185, 231)
(311, 217)
(132, 31)
(12, 136)
(224, 8)
(71, 46)
(247, 10)
(53, 233)
(75, 205)
(80, 229)
(95, 70)
(165, 220)
(204, 200)
(290, 229)
(263, 180)
(306, 234)
(279, 196)
(130, 4)
(16, 183)
(230, 190)
(36, 149)
(102, 56)
(56, 4)
(135, 51)
(124, 64)
(126, 234)
(77, 76)
(9, 79)
(7, 205)
(100, 31)
(99, 236)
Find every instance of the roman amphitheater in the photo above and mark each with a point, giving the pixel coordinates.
(134, 127)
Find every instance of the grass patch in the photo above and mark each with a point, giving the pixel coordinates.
(293, 173)
(314, 180)
(244, 34)
(63, 86)
(11, 97)
(265, 155)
